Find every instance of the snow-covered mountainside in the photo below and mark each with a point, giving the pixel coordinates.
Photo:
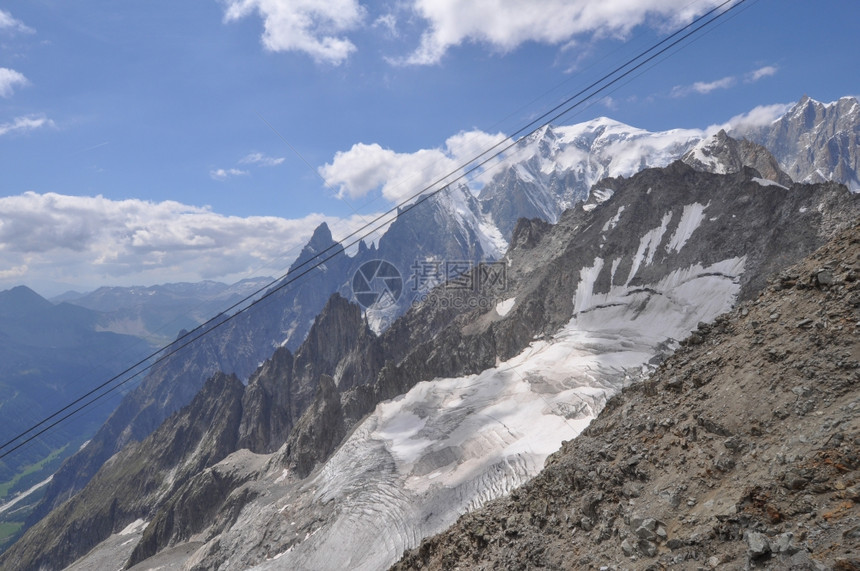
(555, 168)
(462, 412)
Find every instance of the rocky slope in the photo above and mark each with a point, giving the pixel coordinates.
(741, 451)
(586, 305)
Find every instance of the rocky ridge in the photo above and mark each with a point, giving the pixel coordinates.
(741, 451)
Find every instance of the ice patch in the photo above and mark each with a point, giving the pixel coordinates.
(134, 527)
(585, 288)
(602, 194)
(524, 174)
(612, 222)
(648, 246)
(767, 182)
(20, 496)
(503, 307)
(701, 153)
(691, 218)
(615, 263)
(401, 430)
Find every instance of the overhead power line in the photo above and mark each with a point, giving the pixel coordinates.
(380, 221)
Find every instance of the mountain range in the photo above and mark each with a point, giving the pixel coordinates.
(158, 313)
(608, 268)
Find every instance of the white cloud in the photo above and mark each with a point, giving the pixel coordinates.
(260, 159)
(85, 242)
(506, 24)
(7, 22)
(758, 117)
(387, 22)
(761, 72)
(366, 167)
(9, 80)
(23, 124)
(224, 174)
(308, 26)
(703, 87)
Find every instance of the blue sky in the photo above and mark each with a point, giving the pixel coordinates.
(154, 141)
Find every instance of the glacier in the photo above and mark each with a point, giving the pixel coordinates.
(449, 445)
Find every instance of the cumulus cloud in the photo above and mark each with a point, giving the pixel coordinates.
(9, 23)
(9, 80)
(85, 242)
(507, 24)
(24, 124)
(366, 167)
(224, 174)
(307, 26)
(259, 159)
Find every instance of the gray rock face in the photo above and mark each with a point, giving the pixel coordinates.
(815, 142)
(319, 431)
